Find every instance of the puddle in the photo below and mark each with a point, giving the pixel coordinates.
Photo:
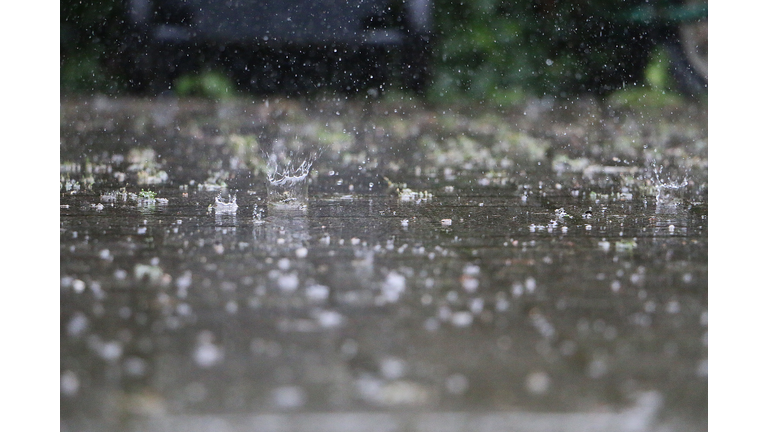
(434, 267)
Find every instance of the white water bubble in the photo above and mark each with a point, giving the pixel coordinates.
(426, 300)
(135, 366)
(329, 318)
(452, 297)
(184, 309)
(517, 289)
(317, 292)
(431, 324)
(78, 285)
(392, 368)
(231, 307)
(206, 353)
(289, 397)
(470, 284)
(461, 319)
(615, 286)
(70, 383)
(537, 383)
(471, 270)
(457, 384)
(111, 351)
(597, 368)
(649, 306)
(530, 284)
(288, 282)
(393, 286)
(77, 325)
(284, 264)
(476, 305)
(502, 304)
(184, 281)
(673, 307)
(544, 327)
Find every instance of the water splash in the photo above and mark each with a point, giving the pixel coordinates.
(287, 181)
(668, 190)
(671, 213)
(259, 215)
(287, 176)
(228, 206)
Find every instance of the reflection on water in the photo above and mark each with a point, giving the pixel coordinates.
(282, 230)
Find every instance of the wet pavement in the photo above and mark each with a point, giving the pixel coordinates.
(537, 267)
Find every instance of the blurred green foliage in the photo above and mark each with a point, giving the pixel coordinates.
(89, 42)
(659, 89)
(498, 50)
(507, 48)
(209, 84)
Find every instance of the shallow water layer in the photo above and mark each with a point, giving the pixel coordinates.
(534, 268)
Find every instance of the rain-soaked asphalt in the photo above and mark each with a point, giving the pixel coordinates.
(538, 267)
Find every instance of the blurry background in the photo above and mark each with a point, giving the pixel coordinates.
(498, 50)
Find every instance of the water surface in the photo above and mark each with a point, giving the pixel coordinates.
(541, 266)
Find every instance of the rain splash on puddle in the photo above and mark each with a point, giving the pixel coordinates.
(668, 190)
(226, 206)
(287, 177)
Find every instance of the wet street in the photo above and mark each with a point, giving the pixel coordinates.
(539, 267)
